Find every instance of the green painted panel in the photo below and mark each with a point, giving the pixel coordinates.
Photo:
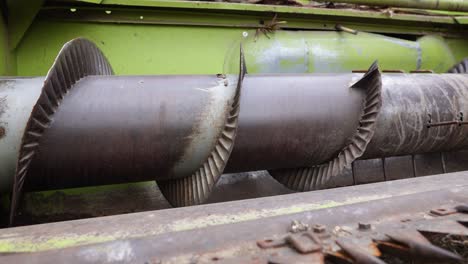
(280, 9)
(450, 5)
(436, 54)
(163, 49)
(131, 49)
(329, 51)
(459, 48)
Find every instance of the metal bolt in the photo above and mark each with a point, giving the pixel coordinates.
(345, 29)
(443, 211)
(364, 226)
(463, 208)
(319, 228)
(298, 226)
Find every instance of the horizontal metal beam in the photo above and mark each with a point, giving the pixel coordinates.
(248, 16)
(246, 7)
(447, 5)
(184, 233)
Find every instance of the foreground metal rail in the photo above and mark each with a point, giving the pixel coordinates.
(181, 130)
(412, 218)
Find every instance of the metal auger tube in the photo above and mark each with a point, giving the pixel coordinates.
(115, 129)
(17, 98)
(133, 128)
(413, 106)
(85, 127)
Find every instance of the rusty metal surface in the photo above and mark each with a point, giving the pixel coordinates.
(241, 231)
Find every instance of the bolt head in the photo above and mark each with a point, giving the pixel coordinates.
(364, 226)
(319, 228)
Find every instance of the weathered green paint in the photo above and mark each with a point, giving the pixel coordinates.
(462, 20)
(31, 244)
(91, 1)
(432, 12)
(48, 242)
(436, 55)
(245, 20)
(459, 47)
(130, 49)
(202, 50)
(185, 224)
(296, 51)
(280, 9)
(449, 5)
(315, 51)
(58, 203)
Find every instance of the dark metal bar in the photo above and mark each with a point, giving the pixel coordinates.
(228, 230)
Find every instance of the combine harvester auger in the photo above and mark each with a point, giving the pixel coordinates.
(82, 126)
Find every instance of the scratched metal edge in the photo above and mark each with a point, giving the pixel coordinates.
(77, 58)
(315, 177)
(196, 188)
(461, 67)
